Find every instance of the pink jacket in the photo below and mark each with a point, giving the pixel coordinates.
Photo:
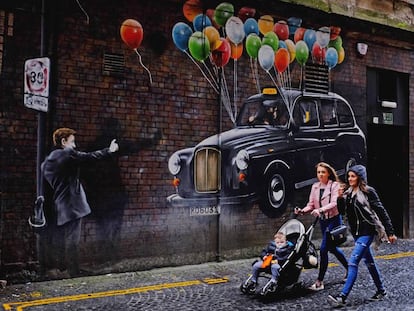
(328, 202)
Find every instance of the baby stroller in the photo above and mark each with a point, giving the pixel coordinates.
(303, 256)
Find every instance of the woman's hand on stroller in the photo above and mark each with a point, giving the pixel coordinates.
(316, 212)
(298, 211)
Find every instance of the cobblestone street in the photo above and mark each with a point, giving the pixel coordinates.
(215, 286)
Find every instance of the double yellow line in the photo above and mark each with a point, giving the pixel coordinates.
(19, 306)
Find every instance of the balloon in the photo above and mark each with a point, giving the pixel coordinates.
(337, 43)
(221, 56)
(271, 39)
(236, 50)
(302, 52)
(331, 57)
(294, 23)
(266, 57)
(131, 33)
(282, 45)
(291, 49)
(213, 37)
(201, 21)
(181, 32)
(223, 12)
(282, 60)
(318, 53)
(199, 46)
(299, 33)
(309, 37)
(282, 30)
(323, 36)
(253, 44)
(335, 31)
(251, 26)
(210, 14)
(341, 55)
(235, 29)
(246, 12)
(191, 9)
(265, 24)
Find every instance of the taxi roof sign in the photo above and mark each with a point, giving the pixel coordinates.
(269, 91)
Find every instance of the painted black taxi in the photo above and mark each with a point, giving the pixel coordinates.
(271, 152)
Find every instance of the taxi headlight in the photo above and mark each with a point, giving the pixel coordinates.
(174, 164)
(242, 159)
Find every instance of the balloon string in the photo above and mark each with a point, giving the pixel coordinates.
(235, 87)
(84, 12)
(140, 61)
(201, 70)
(212, 77)
(226, 97)
(254, 75)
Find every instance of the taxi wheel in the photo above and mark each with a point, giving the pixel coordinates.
(276, 194)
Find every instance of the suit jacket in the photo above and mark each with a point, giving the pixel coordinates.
(61, 170)
(328, 201)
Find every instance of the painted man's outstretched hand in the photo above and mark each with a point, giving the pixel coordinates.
(114, 146)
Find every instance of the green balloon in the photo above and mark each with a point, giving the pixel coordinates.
(199, 46)
(253, 44)
(337, 43)
(223, 12)
(271, 39)
(302, 52)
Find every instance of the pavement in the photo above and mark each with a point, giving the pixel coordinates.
(215, 286)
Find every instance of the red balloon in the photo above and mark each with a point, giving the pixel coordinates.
(132, 33)
(246, 12)
(210, 14)
(318, 53)
(299, 33)
(282, 30)
(282, 59)
(191, 9)
(335, 31)
(221, 56)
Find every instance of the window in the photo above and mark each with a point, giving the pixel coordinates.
(344, 114)
(387, 85)
(328, 113)
(306, 113)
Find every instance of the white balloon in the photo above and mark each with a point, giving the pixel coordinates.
(235, 29)
(323, 35)
(266, 57)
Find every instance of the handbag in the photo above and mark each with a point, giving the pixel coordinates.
(338, 235)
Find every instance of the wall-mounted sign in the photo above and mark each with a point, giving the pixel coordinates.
(36, 83)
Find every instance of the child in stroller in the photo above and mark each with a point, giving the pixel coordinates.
(283, 258)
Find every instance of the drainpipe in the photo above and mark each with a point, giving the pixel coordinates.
(219, 129)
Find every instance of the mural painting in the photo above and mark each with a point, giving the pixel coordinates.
(279, 134)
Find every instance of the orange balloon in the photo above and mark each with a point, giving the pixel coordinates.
(236, 50)
(191, 9)
(132, 33)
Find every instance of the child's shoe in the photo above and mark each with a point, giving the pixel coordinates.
(317, 286)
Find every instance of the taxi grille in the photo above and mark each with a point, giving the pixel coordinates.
(207, 170)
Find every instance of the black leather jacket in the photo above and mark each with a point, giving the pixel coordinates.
(360, 218)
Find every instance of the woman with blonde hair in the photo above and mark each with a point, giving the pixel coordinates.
(322, 204)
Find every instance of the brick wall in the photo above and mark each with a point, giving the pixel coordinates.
(128, 194)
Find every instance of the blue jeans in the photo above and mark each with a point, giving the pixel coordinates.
(362, 250)
(257, 267)
(326, 226)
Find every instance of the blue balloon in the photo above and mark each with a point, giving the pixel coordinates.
(251, 26)
(181, 33)
(201, 21)
(294, 23)
(282, 44)
(331, 57)
(309, 37)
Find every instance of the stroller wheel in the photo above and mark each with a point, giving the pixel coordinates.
(248, 287)
(270, 287)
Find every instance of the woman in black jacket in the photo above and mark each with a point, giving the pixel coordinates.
(368, 220)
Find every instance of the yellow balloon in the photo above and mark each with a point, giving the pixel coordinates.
(265, 23)
(213, 37)
(292, 50)
(341, 55)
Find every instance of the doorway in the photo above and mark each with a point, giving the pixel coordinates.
(387, 155)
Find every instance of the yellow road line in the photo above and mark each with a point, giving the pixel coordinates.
(19, 306)
(386, 257)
